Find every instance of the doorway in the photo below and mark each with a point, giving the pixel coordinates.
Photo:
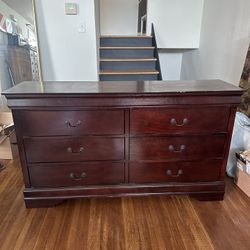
(142, 17)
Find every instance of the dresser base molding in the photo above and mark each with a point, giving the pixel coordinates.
(54, 196)
(42, 203)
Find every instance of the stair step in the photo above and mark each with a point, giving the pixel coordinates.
(127, 48)
(129, 72)
(126, 41)
(126, 53)
(122, 37)
(121, 65)
(140, 77)
(127, 59)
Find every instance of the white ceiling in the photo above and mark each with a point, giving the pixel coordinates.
(23, 7)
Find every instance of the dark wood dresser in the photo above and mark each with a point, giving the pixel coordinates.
(91, 139)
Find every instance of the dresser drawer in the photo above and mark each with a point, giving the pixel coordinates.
(175, 171)
(48, 123)
(178, 147)
(76, 174)
(73, 149)
(179, 120)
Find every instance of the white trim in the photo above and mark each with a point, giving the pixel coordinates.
(143, 19)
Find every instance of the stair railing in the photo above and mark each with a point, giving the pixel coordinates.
(156, 53)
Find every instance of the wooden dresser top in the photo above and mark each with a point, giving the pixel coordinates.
(202, 87)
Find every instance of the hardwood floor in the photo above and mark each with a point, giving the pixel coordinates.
(3, 164)
(159, 222)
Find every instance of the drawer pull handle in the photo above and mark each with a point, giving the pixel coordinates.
(70, 150)
(77, 178)
(171, 148)
(71, 125)
(179, 173)
(174, 122)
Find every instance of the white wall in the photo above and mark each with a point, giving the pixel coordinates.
(224, 42)
(170, 61)
(119, 17)
(177, 22)
(66, 54)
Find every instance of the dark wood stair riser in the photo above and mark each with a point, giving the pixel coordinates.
(127, 53)
(152, 77)
(148, 65)
(127, 42)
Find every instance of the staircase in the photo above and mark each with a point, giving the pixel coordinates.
(129, 58)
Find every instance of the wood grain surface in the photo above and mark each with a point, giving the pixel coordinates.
(163, 88)
(159, 222)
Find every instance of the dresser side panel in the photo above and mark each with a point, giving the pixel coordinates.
(21, 148)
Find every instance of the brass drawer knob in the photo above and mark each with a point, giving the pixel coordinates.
(174, 122)
(70, 150)
(73, 125)
(77, 178)
(171, 148)
(179, 173)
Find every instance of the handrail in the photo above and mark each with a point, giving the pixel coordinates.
(156, 54)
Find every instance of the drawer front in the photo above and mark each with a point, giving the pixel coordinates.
(175, 171)
(73, 149)
(167, 120)
(76, 174)
(186, 147)
(48, 123)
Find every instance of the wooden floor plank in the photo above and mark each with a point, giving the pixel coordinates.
(153, 222)
(227, 223)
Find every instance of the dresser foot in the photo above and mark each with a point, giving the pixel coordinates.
(209, 196)
(39, 203)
